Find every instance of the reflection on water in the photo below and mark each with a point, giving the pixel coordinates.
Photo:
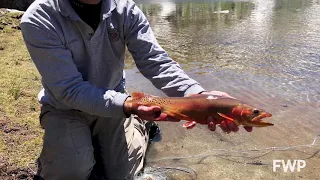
(264, 51)
(273, 41)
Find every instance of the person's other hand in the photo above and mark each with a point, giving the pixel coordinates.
(148, 113)
(153, 113)
(226, 125)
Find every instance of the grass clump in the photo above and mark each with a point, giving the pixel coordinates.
(20, 133)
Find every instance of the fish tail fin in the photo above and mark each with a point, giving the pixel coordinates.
(138, 95)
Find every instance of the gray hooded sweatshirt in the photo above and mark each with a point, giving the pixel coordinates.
(83, 69)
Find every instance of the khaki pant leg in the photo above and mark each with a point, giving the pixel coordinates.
(120, 146)
(67, 150)
(138, 146)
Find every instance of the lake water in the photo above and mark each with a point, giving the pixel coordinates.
(266, 52)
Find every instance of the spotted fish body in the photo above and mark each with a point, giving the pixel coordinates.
(197, 108)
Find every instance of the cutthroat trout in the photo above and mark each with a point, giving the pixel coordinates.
(197, 108)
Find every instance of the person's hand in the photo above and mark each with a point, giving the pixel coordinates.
(148, 113)
(226, 125)
(153, 113)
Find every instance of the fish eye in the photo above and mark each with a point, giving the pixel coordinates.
(256, 111)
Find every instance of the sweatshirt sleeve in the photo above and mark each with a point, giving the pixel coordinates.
(152, 61)
(62, 78)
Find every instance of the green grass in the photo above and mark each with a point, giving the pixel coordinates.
(20, 132)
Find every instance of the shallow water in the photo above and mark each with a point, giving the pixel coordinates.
(266, 52)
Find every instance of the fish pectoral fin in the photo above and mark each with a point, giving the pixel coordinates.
(226, 117)
(189, 124)
(177, 115)
(229, 118)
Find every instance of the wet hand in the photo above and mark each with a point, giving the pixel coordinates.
(226, 125)
(217, 93)
(148, 113)
(153, 113)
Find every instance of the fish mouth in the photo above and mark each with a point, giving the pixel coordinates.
(257, 121)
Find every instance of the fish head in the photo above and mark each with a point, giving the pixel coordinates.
(252, 116)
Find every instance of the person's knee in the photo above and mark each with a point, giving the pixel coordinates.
(77, 168)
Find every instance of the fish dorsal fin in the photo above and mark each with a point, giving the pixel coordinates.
(138, 95)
